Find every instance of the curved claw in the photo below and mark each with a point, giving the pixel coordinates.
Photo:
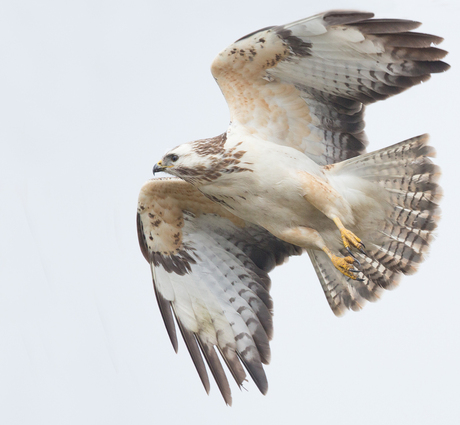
(345, 266)
(356, 260)
(350, 239)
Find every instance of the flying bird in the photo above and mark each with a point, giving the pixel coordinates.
(290, 175)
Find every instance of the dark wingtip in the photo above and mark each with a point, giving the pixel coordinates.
(192, 346)
(216, 369)
(385, 26)
(166, 313)
(257, 373)
(441, 66)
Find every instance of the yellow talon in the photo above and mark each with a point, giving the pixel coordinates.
(345, 265)
(348, 237)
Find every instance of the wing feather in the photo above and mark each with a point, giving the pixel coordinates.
(305, 84)
(165, 309)
(246, 302)
(216, 370)
(210, 270)
(195, 354)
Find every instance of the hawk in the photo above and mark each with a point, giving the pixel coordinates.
(290, 175)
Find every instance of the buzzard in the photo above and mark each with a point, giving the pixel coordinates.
(290, 175)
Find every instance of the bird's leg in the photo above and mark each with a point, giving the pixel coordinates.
(318, 192)
(345, 265)
(348, 237)
(328, 200)
(310, 238)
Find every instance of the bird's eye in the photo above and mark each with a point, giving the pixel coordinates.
(174, 158)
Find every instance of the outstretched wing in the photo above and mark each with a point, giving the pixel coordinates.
(305, 84)
(210, 272)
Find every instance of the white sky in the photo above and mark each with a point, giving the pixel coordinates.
(92, 93)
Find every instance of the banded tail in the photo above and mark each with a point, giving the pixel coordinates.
(400, 241)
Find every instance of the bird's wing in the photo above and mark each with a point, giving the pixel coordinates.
(210, 272)
(305, 84)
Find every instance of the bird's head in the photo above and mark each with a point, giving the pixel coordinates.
(183, 161)
(200, 162)
(174, 159)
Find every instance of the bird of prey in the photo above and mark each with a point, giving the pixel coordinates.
(290, 175)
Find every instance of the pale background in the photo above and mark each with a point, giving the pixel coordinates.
(92, 93)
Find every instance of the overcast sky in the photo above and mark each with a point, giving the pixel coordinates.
(92, 93)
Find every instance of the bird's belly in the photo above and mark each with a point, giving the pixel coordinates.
(272, 203)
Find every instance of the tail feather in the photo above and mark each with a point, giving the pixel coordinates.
(411, 195)
(341, 292)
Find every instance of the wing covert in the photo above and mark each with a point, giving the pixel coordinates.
(210, 272)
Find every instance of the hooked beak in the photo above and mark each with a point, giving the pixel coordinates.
(158, 167)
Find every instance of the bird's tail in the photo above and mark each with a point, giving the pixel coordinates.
(402, 182)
